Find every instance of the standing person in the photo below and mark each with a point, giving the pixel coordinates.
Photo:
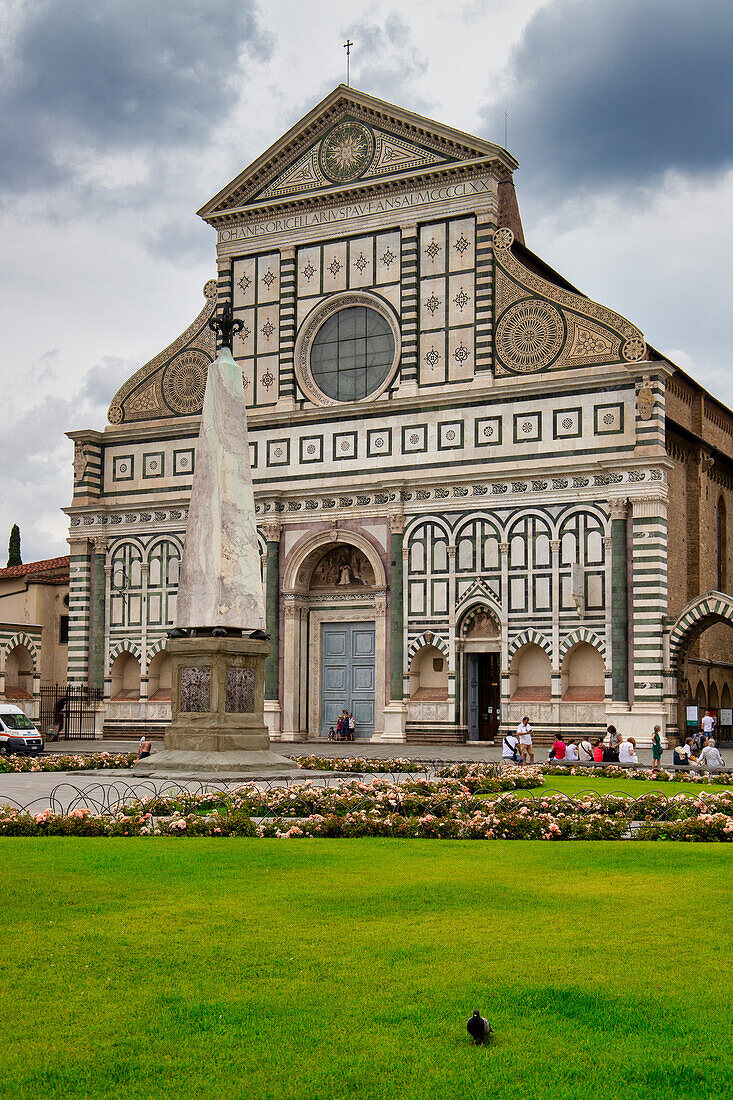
(614, 740)
(340, 727)
(351, 721)
(708, 725)
(524, 733)
(656, 748)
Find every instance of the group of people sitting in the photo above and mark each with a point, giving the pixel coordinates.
(700, 751)
(345, 726)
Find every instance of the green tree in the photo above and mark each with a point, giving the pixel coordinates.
(14, 557)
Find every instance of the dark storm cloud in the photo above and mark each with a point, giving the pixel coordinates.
(620, 91)
(118, 76)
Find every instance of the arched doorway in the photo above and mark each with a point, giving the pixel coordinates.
(701, 664)
(479, 650)
(19, 674)
(334, 636)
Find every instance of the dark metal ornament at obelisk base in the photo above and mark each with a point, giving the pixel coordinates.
(218, 648)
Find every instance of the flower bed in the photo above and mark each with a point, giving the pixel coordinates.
(446, 809)
(357, 764)
(611, 771)
(66, 762)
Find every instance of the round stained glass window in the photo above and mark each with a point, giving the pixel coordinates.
(352, 354)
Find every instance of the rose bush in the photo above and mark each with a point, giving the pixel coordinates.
(66, 762)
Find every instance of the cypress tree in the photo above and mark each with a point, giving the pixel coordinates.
(14, 557)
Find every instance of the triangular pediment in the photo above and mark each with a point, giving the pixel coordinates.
(350, 139)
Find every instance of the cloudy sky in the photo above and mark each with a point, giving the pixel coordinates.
(119, 118)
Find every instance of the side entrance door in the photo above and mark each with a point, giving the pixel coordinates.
(484, 696)
(348, 675)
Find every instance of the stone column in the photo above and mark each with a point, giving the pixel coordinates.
(649, 520)
(395, 711)
(618, 611)
(505, 682)
(95, 675)
(556, 667)
(272, 532)
(397, 527)
(80, 581)
(452, 664)
(108, 618)
(291, 670)
(608, 547)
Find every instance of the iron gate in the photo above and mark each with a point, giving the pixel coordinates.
(72, 708)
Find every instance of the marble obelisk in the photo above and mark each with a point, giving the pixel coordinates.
(220, 584)
(218, 648)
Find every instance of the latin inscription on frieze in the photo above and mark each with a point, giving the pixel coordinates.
(196, 689)
(240, 691)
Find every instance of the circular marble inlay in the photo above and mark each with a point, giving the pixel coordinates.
(527, 427)
(488, 431)
(451, 435)
(608, 419)
(530, 335)
(115, 414)
(567, 423)
(414, 439)
(184, 382)
(346, 152)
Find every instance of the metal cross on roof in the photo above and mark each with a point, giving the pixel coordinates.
(347, 46)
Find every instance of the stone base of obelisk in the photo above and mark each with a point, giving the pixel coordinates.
(217, 711)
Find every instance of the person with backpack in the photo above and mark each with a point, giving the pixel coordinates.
(585, 750)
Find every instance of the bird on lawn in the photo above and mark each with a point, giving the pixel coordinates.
(479, 1028)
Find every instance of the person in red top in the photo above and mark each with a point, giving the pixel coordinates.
(559, 747)
(598, 750)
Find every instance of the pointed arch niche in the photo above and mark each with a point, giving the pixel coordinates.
(333, 579)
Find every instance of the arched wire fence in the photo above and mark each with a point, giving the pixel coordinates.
(125, 796)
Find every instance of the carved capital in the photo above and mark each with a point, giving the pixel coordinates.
(618, 508)
(292, 611)
(503, 547)
(271, 531)
(380, 605)
(555, 546)
(405, 553)
(99, 542)
(397, 523)
(607, 542)
(451, 550)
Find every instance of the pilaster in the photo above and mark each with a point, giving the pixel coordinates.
(409, 307)
(287, 324)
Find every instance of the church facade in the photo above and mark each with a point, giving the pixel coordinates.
(461, 463)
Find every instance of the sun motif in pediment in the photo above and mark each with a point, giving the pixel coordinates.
(346, 152)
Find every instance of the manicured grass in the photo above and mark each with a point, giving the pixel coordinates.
(579, 784)
(328, 969)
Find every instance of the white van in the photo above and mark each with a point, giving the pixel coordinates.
(18, 735)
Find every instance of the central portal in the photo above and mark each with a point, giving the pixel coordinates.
(348, 675)
(484, 697)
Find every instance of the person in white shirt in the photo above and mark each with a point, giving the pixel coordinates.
(708, 724)
(627, 752)
(585, 750)
(710, 756)
(571, 752)
(510, 747)
(524, 733)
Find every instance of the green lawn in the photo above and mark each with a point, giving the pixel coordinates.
(322, 969)
(579, 784)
